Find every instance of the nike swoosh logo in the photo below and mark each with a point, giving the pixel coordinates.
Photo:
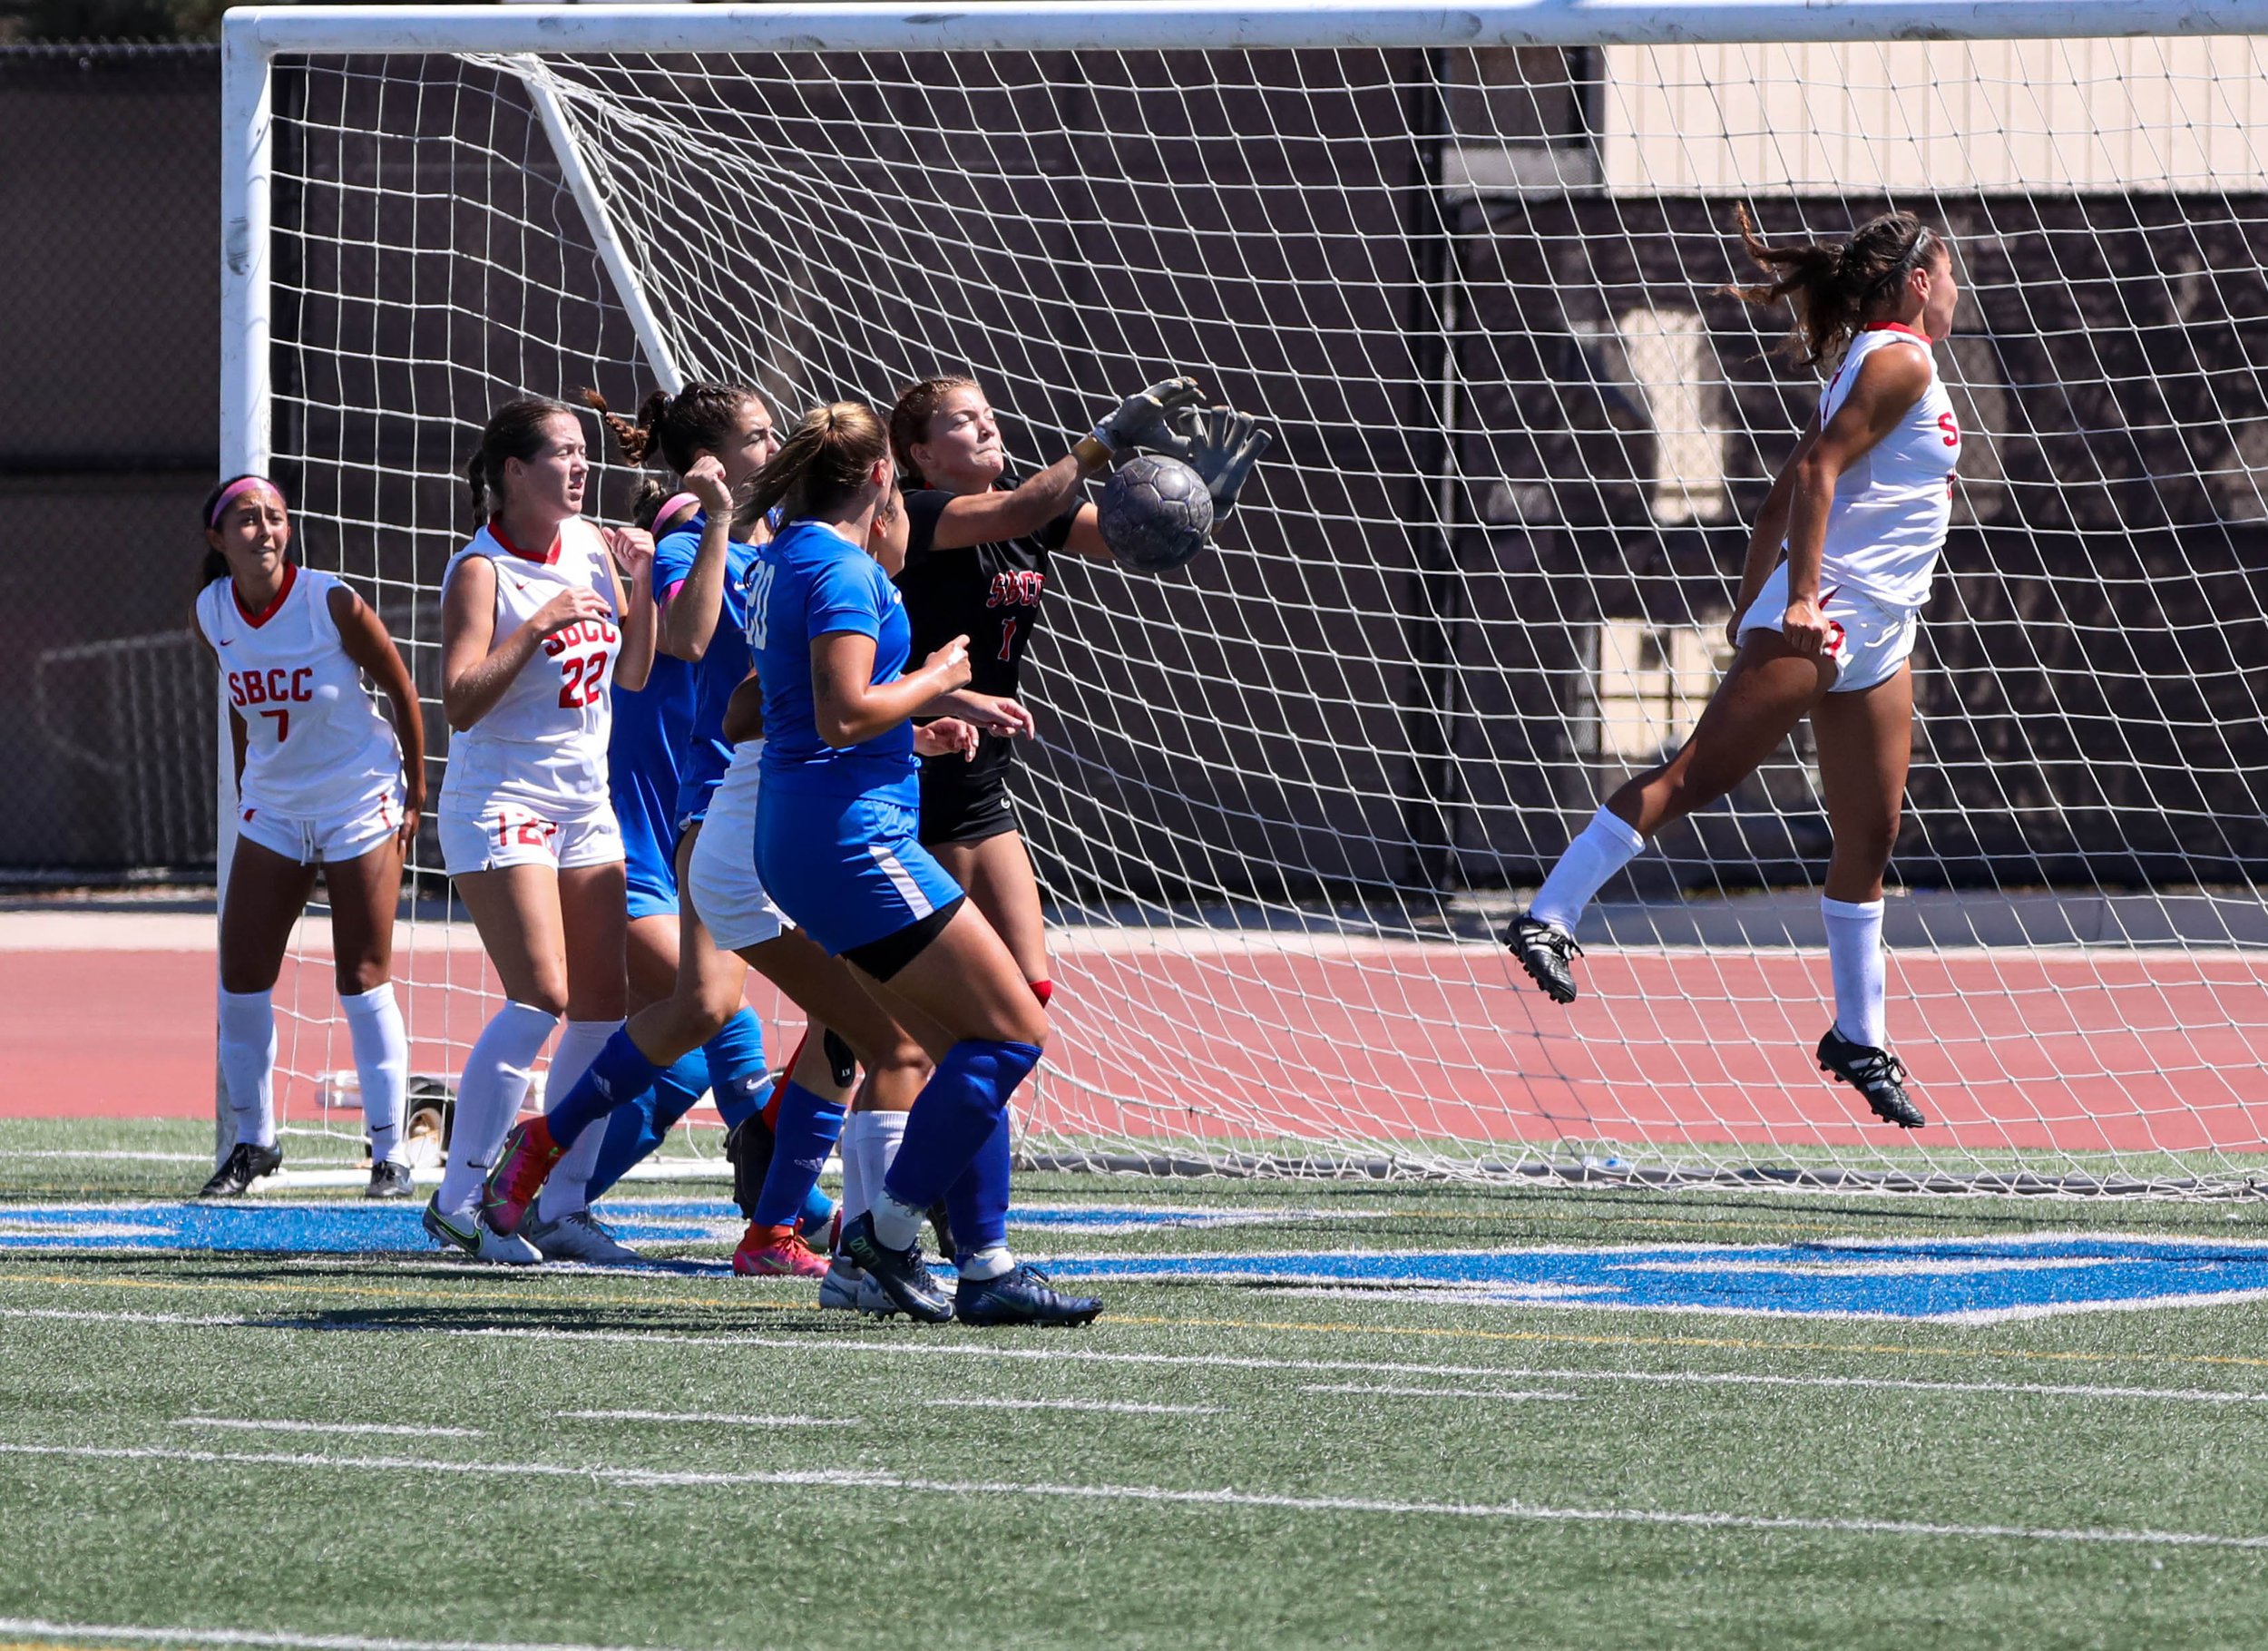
(228, 641)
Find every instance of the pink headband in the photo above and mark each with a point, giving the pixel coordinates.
(237, 489)
(669, 507)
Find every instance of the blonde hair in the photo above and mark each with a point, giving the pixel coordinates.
(823, 462)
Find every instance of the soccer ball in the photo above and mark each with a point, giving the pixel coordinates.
(1155, 513)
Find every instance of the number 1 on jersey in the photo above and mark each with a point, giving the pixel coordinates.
(1007, 641)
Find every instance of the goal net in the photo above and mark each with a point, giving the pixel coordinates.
(1281, 804)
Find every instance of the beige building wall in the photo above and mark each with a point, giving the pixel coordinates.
(1958, 116)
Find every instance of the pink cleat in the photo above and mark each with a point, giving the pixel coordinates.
(776, 1252)
(517, 1175)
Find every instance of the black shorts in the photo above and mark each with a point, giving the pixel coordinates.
(964, 802)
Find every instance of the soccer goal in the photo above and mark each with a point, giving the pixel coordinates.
(1468, 264)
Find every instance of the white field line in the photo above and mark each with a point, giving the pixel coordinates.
(2037, 1390)
(846, 1480)
(37, 1627)
(1434, 1393)
(255, 1425)
(716, 1419)
(1110, 1406)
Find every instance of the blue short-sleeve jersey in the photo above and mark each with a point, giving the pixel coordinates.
(807, 583)
(707, 754)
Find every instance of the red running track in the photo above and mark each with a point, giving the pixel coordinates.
(2060, 1049)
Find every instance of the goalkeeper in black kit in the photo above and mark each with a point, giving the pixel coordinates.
(972, 558)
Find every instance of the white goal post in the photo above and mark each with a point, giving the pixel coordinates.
(1469, 262)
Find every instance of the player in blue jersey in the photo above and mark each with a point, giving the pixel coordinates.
(719, 438)
(836, 840)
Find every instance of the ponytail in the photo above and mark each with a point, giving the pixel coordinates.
(1834, 287)
(517, 430)
(677, 427)
(823, 466)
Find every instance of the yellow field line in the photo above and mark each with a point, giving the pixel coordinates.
(1562, 1338)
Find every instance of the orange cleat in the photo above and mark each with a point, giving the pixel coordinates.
(517, 1175)
(776, 1252)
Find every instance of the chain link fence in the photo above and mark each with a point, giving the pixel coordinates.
(107, 443)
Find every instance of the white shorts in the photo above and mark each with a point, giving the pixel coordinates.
(327, 842)
(501, 833)
(1870, 640)
(720, 876)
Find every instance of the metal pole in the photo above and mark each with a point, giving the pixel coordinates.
(245, 408)
(1199, 25)
(575, 166)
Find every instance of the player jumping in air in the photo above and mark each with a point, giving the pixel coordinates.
(1838, 569)
(536, 625)
(321, 780)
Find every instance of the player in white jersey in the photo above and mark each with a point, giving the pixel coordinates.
(1838, 569)
(322, 781)
(537, 624)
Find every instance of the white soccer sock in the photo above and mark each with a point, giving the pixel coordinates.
(993, 1263)
(855, 1198)
(1604, 847)
(1857, 959)
(488, 1098)
(247, 1064)
(565, 1188)
(374, 1022)
(896, 1224)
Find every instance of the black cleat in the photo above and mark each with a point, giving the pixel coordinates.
(1875, 1073)
(1544, 950)
(1020, 1296)
(899, 1272)
(388, 1180)
(941, 1225)
(244, 1165)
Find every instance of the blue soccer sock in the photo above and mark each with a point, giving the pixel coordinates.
(804, 1132)
(818, 1209)
(619, 1073)
(736, 1067)
(952, 1119)
(634, 1131)
(977, 1204)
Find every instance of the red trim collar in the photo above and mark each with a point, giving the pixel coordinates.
(290, 578)
(1896, 327)
(496, 531)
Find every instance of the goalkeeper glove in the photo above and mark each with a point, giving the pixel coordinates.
(1222, 445)
(1140, 421)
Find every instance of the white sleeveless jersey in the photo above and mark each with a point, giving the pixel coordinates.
(1886, 524)
(543, 743)
(315, 746)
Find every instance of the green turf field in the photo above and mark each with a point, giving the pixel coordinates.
(1215, 1463)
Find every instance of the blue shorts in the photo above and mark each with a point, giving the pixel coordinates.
(693, 800)
(847, 871)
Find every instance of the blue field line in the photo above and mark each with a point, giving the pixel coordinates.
(351, 1227)
(1972, 1281)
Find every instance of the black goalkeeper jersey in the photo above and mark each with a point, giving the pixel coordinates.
(988, 592)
